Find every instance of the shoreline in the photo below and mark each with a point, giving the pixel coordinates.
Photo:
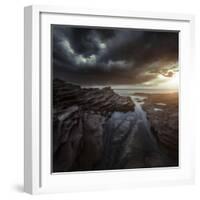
(100, 129)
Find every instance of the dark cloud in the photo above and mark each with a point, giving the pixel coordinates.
(112, 56)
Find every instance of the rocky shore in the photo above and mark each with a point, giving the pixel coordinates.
(162, 113)
(80, 116)
(98, 129)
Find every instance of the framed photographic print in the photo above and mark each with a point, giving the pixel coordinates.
(107, 99)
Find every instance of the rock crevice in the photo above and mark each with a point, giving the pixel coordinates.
(79, 115)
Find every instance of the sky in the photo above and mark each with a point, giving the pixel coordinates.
(121, 58)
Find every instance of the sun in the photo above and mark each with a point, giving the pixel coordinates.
(173, 81)
(169, 82)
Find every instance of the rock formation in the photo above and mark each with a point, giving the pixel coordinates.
(79, 115)
(163, 118)
(97, 129)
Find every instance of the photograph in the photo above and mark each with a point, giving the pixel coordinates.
(114, 98)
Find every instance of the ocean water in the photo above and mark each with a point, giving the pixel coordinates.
(130, 92)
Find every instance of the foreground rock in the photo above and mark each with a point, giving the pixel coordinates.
(93, 99)
(79, 116)
(162, 112)
(97, 129)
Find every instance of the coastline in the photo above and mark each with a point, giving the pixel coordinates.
(100, 129)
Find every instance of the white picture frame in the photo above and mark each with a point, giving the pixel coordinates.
(37, 146)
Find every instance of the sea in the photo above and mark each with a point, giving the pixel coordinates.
(130, 92)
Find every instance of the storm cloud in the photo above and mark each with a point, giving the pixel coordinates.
(102, 56)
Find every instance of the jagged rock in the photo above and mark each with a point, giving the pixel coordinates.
(93, 99)
(79, 115)
(97, 129)
(164, 119)
(92, 143)
(67, 134)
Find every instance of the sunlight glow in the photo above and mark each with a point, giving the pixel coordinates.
(170, 82)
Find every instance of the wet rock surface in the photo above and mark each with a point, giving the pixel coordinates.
(98, 129)
(162, 113)
(79, 118)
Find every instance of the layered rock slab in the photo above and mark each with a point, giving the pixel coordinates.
(79, 115)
